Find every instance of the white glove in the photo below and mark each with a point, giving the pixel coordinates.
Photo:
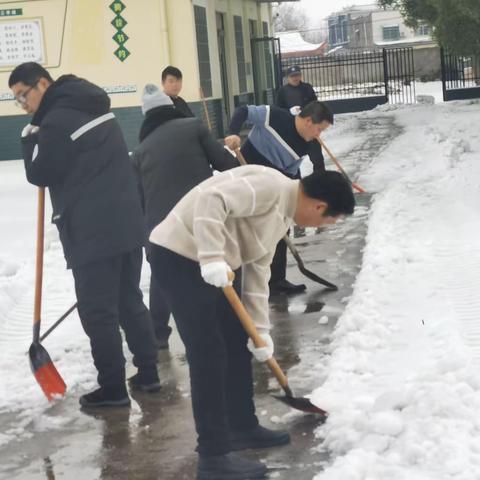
(29, 129)
(264, 353)
(296, 110)
(216, 274)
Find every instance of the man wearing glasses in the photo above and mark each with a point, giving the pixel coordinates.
(74, 146)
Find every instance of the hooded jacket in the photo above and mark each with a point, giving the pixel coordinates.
(79, 153)
(175, 155)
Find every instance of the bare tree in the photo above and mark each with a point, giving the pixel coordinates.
(288, 16)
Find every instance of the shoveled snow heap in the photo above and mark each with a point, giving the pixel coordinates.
(403, 385)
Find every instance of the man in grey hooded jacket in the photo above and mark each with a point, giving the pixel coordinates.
(175, 154)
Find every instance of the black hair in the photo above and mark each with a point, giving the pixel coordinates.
(174, 71)
(318, 112)
(333, 189)
(28, 73)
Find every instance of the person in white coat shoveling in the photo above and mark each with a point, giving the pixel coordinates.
(230, 221)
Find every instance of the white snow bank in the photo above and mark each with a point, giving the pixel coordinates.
(403, 388)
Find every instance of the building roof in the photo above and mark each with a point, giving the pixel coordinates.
(292, 42)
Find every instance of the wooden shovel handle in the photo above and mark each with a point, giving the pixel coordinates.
(240, 157)
(37, 308)
(357, 187)
(252, 332)
(205, 109)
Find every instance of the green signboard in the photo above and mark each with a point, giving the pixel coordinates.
(119, 23)
(11, 12)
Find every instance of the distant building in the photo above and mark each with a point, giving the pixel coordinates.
(371, 27)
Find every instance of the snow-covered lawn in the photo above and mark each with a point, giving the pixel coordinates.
(403, 384)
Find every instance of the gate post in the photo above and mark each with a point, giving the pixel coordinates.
(385, 73)
(444, 73)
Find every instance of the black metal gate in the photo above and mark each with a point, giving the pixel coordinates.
(460, 76)
(359, 80)
(267, 68)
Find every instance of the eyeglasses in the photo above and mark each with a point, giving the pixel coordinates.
(21, 100)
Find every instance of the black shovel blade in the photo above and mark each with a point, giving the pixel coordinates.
(303, 404)
(312, 276)
(45, 372)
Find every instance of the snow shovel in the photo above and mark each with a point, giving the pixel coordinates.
(303, 404)
(357, 187)
(291, 246)
(42, 366)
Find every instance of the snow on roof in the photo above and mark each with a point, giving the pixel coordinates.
(293, 42)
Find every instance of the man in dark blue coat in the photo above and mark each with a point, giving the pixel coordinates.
(74, 146)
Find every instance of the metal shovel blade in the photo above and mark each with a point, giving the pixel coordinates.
(45, 373)
(303, 404)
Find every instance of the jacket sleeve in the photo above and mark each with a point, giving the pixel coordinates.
(218, 157)
(47, 155)
(135, 161)
(255, 291)
(312, 96)
(316, 156)
(238, 119)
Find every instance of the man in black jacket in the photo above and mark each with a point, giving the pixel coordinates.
(172, 80)
(281, 140)
(74, 146)
(295, 93)
(175, 154)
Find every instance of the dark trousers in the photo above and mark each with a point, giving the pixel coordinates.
(278, 268)
(215, 343)
(159, 310)
(109, 296)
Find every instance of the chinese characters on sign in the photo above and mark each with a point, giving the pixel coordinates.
(11, 12)
(21, 42)
(120, 37)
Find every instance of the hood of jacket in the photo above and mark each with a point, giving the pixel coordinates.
(158, 116)
(74, 93)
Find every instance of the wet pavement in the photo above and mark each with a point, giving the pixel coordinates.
(155, 439)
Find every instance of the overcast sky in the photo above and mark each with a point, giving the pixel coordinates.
(319, 9)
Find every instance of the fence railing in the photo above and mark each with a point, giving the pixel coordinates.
(460, 76)
(387, 73)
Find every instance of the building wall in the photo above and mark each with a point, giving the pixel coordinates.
(77, 37)
(390, 18)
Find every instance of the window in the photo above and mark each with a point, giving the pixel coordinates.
(268, 57)
(423, 30)
(252, 24)
(391, 33)
(338, 30)
(203, 50)
(242, 75)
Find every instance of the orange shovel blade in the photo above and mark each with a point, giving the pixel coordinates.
(45, 372)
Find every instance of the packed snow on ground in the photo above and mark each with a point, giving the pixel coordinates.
(403, 383)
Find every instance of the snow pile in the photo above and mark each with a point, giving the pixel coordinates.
(403, 389)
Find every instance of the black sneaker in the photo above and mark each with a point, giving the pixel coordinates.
(229, 467)
(103, 397)
(286, 287)
(145, 381)
(259, 437)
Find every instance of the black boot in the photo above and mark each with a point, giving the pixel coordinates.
(229, 467)
(106, 397)
(286, 287)
(146, 380)
(259, 437)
